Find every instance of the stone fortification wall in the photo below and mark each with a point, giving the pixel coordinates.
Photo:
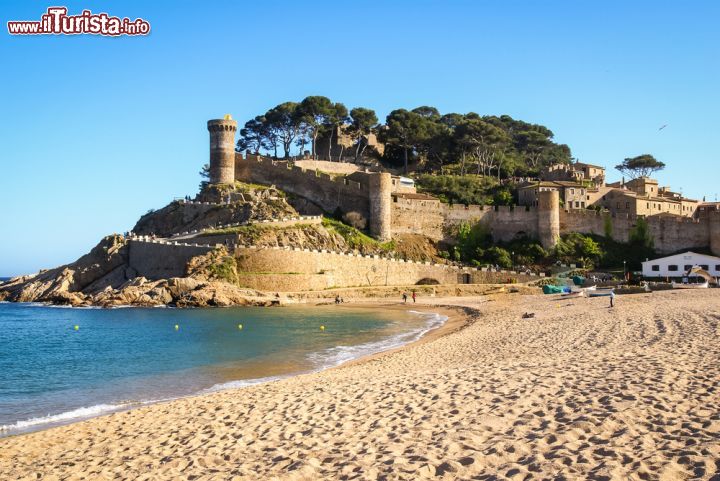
(156, 259)
(435, 219)
(714, 231)
(670, 233)
(328, 192)
(673, 233)
(287, 269)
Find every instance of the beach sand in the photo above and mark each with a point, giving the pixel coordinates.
(580, 391)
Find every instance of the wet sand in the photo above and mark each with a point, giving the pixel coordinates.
(580, 391)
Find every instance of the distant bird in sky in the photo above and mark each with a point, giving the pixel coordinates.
(663, 126)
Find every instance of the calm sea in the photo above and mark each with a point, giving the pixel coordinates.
(52, 373)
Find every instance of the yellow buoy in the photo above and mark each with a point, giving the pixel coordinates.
(177, 327)
(322, 328)
(77, 328)
(239, 326)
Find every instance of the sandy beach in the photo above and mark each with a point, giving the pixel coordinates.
(580, 391)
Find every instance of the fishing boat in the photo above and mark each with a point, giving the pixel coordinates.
(601, 292)
(690, 285)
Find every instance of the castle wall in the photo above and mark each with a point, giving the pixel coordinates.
(672, 234)
(328, 192)
(508, 222)
(156, 260)
(714, 231)
(413, 216)
(301, 269)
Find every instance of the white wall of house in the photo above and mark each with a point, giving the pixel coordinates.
(679, 264)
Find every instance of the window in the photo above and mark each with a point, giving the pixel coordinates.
(572, 191)
(687, 267)
(648, 205)
(577, 204)
(588, 197)
(627, 205)
(704, 267)
(655, 268)
(717, 267)
(673, 268)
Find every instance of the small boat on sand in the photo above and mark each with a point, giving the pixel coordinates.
(601, 292)
(690, 285)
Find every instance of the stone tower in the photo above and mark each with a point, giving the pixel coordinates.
(222, 150)
(715, 232)
(380, 205)
(548, 218)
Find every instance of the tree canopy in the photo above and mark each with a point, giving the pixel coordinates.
(421, 139)
(641, 166)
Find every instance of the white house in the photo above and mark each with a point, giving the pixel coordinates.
(679, 264)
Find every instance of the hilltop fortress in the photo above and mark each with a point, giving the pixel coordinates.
(256, 229)
(388, 206)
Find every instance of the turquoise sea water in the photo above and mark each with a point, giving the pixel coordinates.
(51, 373)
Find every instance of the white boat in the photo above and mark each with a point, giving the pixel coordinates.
(690, 285)
(601, 292)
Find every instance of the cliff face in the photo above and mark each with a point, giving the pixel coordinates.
(95, 270)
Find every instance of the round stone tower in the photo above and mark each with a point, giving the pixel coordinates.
(548, 218)
(222, 150)
(380, 206)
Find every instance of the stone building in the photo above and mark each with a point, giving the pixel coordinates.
(573, 195)
(577, 172)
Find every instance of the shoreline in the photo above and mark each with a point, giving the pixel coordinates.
(577, 390)
(118, 407)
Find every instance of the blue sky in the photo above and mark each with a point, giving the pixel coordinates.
(95, 131)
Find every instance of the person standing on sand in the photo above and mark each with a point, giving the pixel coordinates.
(413, 296)
(405, 297)
(612, 298)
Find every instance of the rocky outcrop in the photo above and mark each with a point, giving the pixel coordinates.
(91, 269)
(180, 216)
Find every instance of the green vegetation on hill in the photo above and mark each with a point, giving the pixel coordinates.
(469, 189)
(475, 246)
(355, 238)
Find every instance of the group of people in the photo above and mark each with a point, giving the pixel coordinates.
(405, 297)
(339, 300)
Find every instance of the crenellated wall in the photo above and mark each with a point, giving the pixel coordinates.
(285, 269)
(670, 233)
(328, 192)
(407, 214)
(436, 220)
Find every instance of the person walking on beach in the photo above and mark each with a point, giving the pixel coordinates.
(405, 297)
(413, 296)
(612, 298)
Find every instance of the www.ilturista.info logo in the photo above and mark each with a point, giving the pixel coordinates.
(57, 22)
